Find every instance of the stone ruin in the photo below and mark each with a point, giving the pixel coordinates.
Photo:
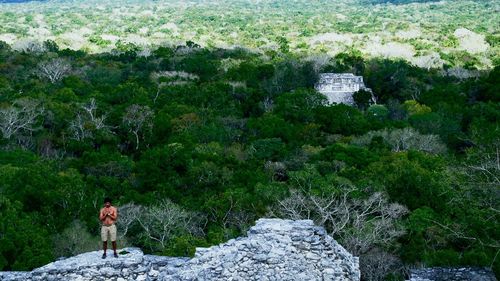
(274, 249)
(452, 274)
(340, 87)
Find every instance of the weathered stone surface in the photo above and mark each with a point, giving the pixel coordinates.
(340, 87)
(274, 249)
(452, 274)
(132, 265)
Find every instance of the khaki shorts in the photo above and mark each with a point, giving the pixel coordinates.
(108, 229)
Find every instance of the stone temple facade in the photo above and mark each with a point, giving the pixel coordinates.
(274, 249)
(339, 87)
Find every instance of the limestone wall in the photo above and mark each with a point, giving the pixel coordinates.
(340, 87)
(274, 249)
(452, 274)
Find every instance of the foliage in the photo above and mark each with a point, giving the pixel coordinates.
(187, 130)
(422, 32)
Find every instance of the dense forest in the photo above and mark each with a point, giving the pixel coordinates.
(428, 34)
(195, 144)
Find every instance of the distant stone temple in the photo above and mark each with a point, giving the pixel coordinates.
(339, 87)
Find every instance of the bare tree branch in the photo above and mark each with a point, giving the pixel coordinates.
(129, 214)
(164, 221)
(20, 117)
(359, 224)
(405, 139)
(54, 70)
(87, 122)
(139, 121)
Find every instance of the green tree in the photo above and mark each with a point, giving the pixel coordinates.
(363, 99)
(414, 179)
(341, 119)
(23, 242)
(299, 105)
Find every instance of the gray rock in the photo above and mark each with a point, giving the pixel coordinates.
(274, 249)
(270, 253)
(452, 274)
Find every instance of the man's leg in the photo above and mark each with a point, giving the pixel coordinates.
(104, 247)
(112, 232)
(104, 238)
(114, 247)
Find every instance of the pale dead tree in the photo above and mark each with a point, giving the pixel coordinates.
(405, 139)
(432, 60)
(482, 166)
(277, 170)
(461, 73)
(268, 104)
(167, 76)
(234, 216)
(145, 52)
(362, 226)
(87, 122)
(487, 170)
(91, 110)
(229, 63)
(157, 78)
(415, 93)
(373, 222)
(79, 129)
(76, 240)
(163, 79)
(19, 118)
(318, 62)
(236, 85)
(295, 207)
(139, 121)
(482, 173)
(409, 138)
(129, 214)
(481, 177)
(359, 224)
(29, 46)
(54, 70)
(337, 218)
(483, 161)
(376, 264)
(400, 139)
(241, 219)
(165, 220)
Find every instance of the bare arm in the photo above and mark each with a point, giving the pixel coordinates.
(102, 215)
(114, 214)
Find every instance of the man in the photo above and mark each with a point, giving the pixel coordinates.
(108, 216)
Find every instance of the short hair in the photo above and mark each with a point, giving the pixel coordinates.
(107, 199)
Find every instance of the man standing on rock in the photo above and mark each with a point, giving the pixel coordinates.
(108, 216)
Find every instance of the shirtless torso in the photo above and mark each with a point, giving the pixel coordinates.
(108, 215)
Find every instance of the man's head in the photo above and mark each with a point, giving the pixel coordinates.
(107, 202)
